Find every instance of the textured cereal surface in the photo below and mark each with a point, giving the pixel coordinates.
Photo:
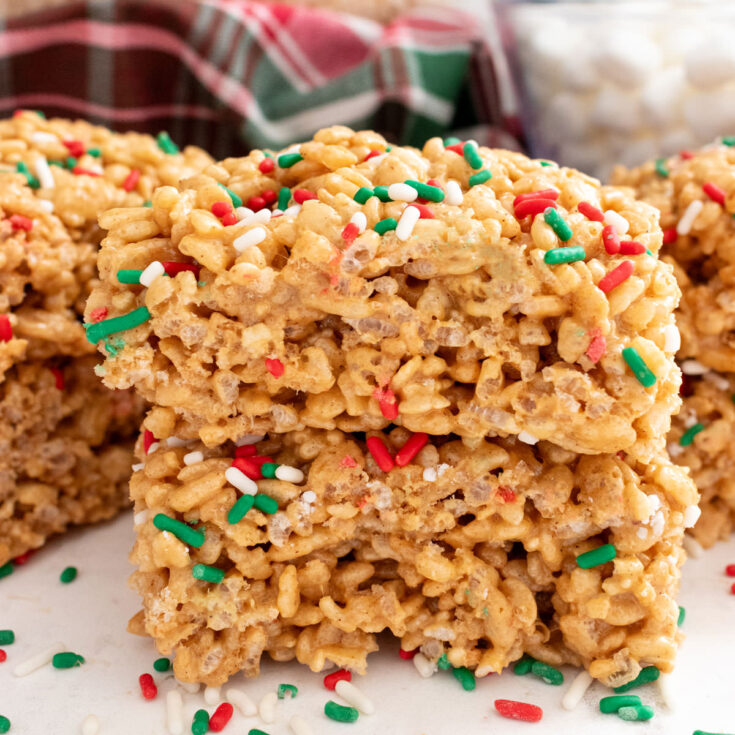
(462, 322)
(465, 551)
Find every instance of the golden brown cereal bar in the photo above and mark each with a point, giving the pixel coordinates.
(468, 551)
(350, 311)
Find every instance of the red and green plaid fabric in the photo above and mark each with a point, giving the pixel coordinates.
(232, 74)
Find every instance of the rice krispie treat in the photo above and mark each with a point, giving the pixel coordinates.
(696, 196)
(306, 545)
(701, 438)
(447, 290)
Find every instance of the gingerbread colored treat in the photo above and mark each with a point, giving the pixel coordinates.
(465, 551)
(463, 318)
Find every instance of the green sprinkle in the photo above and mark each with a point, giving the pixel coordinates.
(610, 705)
(70, 162)
(471, 154)
(266, 504)
(113, 346)
(688, 436)
(660, 167)
(451, 140)
(564, 255)
(284, 197)
(523, 666)
(6, 569)
(339, 713)
(480, 177)
(728, 140)
(702, 732)
(268, 469)
(561, 229)
(649, 251)
(638, 713)
(382, 193)
(465, 677)
(385, 225)
(240, 509)
(6, 637)
(362, 194)
(286, 160)
(31, 180)
(4, 724)
(255, 731)
(67, 660)
(548, 674)
(96, 152)
(162, 664)
(148, 203)
(443, 662)
(597, 557)
(68, 575)
(179, 529)
(100, 330)
(284, 689)
(128, 276)
(426, 191)
(207, 573)
(636, 363)
(60, 164)
(234, 198)
(163, 139)
(682, 616)
(200, 723)
(388, 148)
(547, 163)
(647, 675)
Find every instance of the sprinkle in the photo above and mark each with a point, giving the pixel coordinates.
(220, 209)
(672, 338)
(131, 180)
(242, 701)
(518, 710)
(552, 194)
(164, 142)
(443, 662)
(66, 660)
(292, 211)
(616, 276)
(472, 155)
(4, 724)
(667, 692)
(597, 557)
(597, 346)
(330, 680)
(380, 453)
(454, 196)
(90, 725)
(660, 167)
(220, 717)
(362, 194)
(174, 712)
(693, 367)
(338, 713)
(350, 232)
(407, 655)
(411, 448)
(646, 675)
(267, 707)
(58, 378)
(239, 480)
(207, 573)
(730, 570)
(182, 531)
(303, 195)
(162, 664)
(360, 220)
(75, 147)
(284, 689)
(195, 457)
(247, 463)
(45, 177)
(7, 637)
(548, 674)
(611, 240)
(25, 557)
(457, 148)
(6, 569)
(532, 207)
(688, 436)
(266, 165)
(691, 213)
(682, 616)
(619, 222)
(151, 272)
(573, 696)
(610, 705)
(256, 203)
(409, 218)
(3, 656)
(636, 363)
(527, 437)
(127, 275)
(569, 254)
(451, 140)
(200, 723)
(670, 235)
(248, 239)
(6, 328)
(80, 171)
(19, 222)
(382, 193)
(426, 191)
(270, 196)
(387, 402)
(480, 177)
(97, 315)
(591, 212)
(266, 504)
(562, 230)
(274, 366)
(354, 697)
(714, 192)
(68, 575)
(240, 509)
(631, 247)
(641, 712)
(371, 154)
(426, 667)
(148, 688)
(37, 660)
(286, 160)
(100, 330)
(465, 677)
(402, 192)
(299, 726)
(385, 225)
(289, 474)
(234, 198)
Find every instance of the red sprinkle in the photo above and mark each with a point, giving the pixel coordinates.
(6, 328)
(591, 212)
(274, 366)
(261, 459)
(131, 180)
(424, 211)
(597, 346)
(75, 147)
(350, 232)
(386, 399)
(98, 314)
(732, 588)
(220, 717)
(372, 154)
(434, 182)
(348, 461)
(631, 247)
(80, 171)
(457, 148)
(610, 240)
(19, 222)
(3, 655)
(407, 655)
(246, 450)
(730, 570)
(302, 195)
(148, 686)
(173, 267)
(25, 557)
(411, 448)
(714, 193)
(256, 203)
(266, 165)
(270, 196)
(670, 235)
(543, 194)
(533, 207)
(59, 377)
(148, 440)
(616, 276)
(220, 209)
(518, 710)
(380, 453)
(248, 467)
(330, 680)
(229, 219)
(686, 155)
(506, 494)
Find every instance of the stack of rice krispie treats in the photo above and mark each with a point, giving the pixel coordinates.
(417, 391)
(65, 440)
(695, 193)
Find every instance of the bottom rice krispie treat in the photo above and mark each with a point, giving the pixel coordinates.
(308, 544)
(702, 439)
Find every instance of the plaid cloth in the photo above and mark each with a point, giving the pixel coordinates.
(229, 75)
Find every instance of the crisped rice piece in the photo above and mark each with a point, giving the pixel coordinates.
(468, 551)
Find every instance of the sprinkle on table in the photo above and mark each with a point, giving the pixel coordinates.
(637, 364)
(4, 724)
(7, 637)
(386, 225)
(610, 705)
(411, 448)
(682, 616)
(207, 573)
(68, 575)
(646, 675)
(472, 155)
(286, 160)
(284, 689)
(148, 687)
(730, 570)
(715, 193)
(547, 674)
(182, 531)
(330, 680)
(465, 677)
(407, 655)
(480, 177)
(200, 723)
(616, 276)
(561, 229)
(522, 711)
(3, 656)
(162, 664)
(67, 660)
(100, 330)
(380, 453)
(220, 717)
(596, 557)
(339, 713)
(164, 142)
(570, 254)
(637, 713)
(6, 569)
(688, 436)
(523, 666)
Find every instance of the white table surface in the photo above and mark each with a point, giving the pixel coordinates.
(89, 616)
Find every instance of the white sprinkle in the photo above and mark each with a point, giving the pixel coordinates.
(375, 160)
(360, 220)
(153, 447)
(174, 712)
(250, 238)
(243, 212)
(672, 338)
(45, 177)
(151, 272)
(675, 449)
(46, 204)
(35, 662)
(691, 213)
(174, 441)
(289, 474)
(140, 518)
(292, 211)
(244, 704)
(138, 466)
(249, 439)
(691, 516)
(267, 708)
(193, 458)
(309, 497)
(299, 726)
(191, 687)
(402, 192)
(276, 212)
(429, 474)
(454, 195)
(621, 225)
(353, 696)
(424, 666)
(41, 136)
(409, 218)
(573, 696)
(692, 546)
(241, 481)
(442, 468)
(717, 381)
(527, 437)
(667, 690)
(657, 523)
(90, 725)
(693, 367)
(212, 695)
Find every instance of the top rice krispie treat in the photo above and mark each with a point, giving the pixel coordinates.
(696, 196)
(448, 290)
